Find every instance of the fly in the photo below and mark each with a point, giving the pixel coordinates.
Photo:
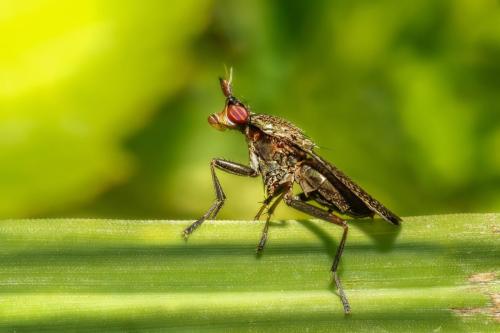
(283, 155)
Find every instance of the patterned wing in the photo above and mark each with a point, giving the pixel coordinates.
(367, 199)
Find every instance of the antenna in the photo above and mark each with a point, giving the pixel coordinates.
(229, 74)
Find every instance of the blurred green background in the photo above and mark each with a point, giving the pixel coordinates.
(103, 104)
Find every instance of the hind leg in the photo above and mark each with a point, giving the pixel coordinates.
(326, 216)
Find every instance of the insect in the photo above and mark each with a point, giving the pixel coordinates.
(283, 155)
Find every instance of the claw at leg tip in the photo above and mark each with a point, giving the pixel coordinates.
(259, 249)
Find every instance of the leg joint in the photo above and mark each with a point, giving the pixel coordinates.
(288, 199)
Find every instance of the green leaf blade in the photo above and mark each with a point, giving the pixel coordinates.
(62, 274)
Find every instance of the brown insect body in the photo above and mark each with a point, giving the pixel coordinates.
(283, 155)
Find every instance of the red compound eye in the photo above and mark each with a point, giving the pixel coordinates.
(237, 114)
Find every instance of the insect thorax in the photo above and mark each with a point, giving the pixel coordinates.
(275, 159)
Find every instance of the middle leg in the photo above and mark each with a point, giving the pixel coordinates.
(270, 212)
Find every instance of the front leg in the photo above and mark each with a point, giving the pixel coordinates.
(227, 166)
